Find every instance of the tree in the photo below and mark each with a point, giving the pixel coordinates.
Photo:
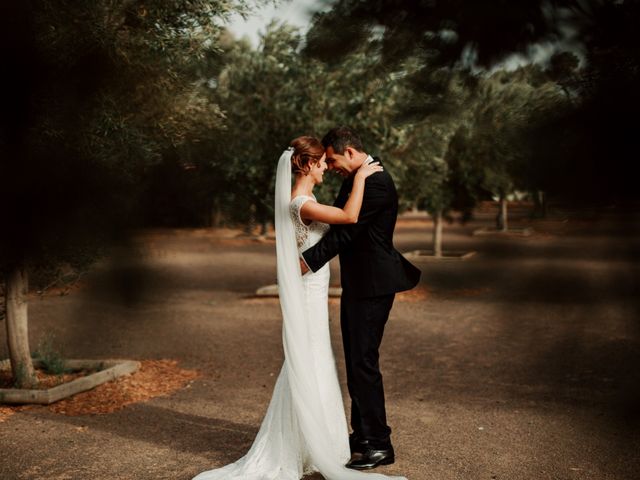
(272, 94)
(429, 178)
(443, 35)
(438, 33)
(507, 108)
(267, 96)
(96, 92)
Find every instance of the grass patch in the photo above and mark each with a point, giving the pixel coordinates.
(49, 353)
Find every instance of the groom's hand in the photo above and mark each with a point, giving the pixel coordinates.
(303, 267)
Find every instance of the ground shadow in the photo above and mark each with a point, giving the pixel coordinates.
(224, 440)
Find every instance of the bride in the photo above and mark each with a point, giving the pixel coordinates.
(305, 428)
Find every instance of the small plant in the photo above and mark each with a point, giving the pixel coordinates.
(48, 353)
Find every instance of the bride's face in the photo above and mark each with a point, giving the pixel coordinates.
(318, 169)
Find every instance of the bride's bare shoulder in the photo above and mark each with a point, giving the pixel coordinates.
(295, 197)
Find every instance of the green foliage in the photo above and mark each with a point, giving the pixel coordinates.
(428, 179)
(267, 96)
(509, 106)
(98, 93)
(580, 147)
(48, 352)
(273, 94)
(131, 112)
(447, 136)
(436, 32)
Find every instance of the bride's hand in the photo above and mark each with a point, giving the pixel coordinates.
(368, 169)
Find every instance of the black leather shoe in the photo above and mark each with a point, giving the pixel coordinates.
(372, 458)
(357, 444)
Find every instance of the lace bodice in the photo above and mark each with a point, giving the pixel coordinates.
(306, 235)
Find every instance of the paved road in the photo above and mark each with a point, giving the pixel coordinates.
(520, 363)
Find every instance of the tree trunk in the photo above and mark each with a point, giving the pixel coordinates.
(503, 210)
(539, 204)
(264, 228)
(502, 223)
(216, 214)
(437, 234)
(17, 327)
(543, 203)
(251, 222)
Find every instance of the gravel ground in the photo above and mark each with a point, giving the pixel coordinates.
(519, 363)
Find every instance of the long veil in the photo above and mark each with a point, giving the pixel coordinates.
(305, 393)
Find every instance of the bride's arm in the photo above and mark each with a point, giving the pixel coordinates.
(349, 213)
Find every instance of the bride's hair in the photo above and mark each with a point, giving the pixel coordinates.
(306, 152)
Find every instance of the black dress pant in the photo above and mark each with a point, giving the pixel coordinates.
(362, 321)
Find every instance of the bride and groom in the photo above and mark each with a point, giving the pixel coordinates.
(305, 428)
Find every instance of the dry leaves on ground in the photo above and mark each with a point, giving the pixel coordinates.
(154, 378)
(417, 294)
(6, 412)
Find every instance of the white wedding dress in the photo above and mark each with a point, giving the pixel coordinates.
(305, 428)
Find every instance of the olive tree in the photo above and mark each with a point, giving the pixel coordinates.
(95, 92)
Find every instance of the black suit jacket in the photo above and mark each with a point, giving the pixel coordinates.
(369, 264)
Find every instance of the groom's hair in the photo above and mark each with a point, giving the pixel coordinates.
(339, 138)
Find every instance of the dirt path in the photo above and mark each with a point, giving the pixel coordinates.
(520, 363)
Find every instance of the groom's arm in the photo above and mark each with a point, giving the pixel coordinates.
(377, 196)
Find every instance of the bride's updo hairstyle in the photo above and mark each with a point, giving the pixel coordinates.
(307, 151)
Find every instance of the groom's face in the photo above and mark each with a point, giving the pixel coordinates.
(340, 163)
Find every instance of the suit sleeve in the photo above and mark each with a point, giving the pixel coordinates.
(376, 197)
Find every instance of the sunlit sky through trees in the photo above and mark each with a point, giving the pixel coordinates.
(293, 12)
(300, 12)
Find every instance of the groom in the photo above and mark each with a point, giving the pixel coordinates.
(371, 272)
